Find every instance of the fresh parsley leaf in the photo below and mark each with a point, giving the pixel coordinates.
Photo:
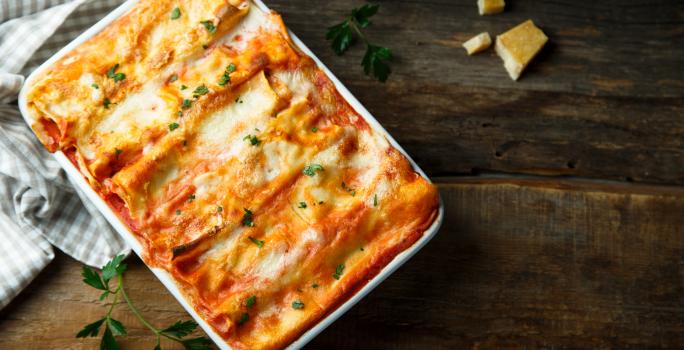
(252, 139)
(176, 13)
(117, 77)
(258, 243)
(183, 87)
(362, 14)
(297, 305)
(219, 209)
(173, 78)
(302, 205)
(314, 285)
(108, 342)
(250, 301)
(91, 330)
(106, 103)
(314, 129)
(180, 329)
(338, 271)
(186, 104)
(95, 86)
(247, 218)
(173, 126)
(231, 68)
(200, 343)
(113, 268)
(92, 278)
(311, 169)
(178, 211)
(200, 90)
(117, 152)
(343, 35)
(375, 62)
(375, 200)
(191, 198)
(209, 26)
(244, 318)
(116, 327)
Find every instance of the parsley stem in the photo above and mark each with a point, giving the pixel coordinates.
(355, 26)
(137, 314)
(133, 308)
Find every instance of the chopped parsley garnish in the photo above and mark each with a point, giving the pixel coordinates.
(311, 169)
(178, 211)
(314, 129)
(219, 209)
(191, 198)
(247, 218)
(209, 26)
(175, 14)
(297, 305)
(173, 126)
(338, 271)
(186, 104)
(252, 139)
(95, 86)
(302, 205)
(200, 90)
(258, 243)
(173, 78)
(205, 46)
(106, 103)
(244, 318)
(314, 286)
(238, 100)
(250, 301)
(375, 200)
(348, 189)
(117, 77)
(183, 87)
(117, 152)
(225, 79)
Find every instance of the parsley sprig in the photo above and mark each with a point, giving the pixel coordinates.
(112, 273)
(376, 60)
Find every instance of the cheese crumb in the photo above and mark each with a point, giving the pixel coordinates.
(518, 46)
(490, 7)
(478, 43)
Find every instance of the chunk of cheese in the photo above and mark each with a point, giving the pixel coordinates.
(490, 7)
(518, 46)
(478, 43)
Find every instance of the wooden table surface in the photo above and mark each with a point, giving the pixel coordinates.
(564, 207)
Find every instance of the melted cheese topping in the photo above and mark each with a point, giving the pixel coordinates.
(264, 183)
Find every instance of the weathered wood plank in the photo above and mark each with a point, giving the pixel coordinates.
(518, 263)
(605, 99)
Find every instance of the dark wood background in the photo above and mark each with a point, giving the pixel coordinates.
(564, 207)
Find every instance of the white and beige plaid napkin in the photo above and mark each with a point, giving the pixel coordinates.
(39, 207)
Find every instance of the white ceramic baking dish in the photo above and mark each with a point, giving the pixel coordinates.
(165, 277)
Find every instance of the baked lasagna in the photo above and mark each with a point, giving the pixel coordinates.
(234, 161)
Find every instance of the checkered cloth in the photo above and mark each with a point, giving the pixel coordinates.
(40, 208)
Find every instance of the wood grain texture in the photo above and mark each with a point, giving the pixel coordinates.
(604, 99)
(518, 263)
